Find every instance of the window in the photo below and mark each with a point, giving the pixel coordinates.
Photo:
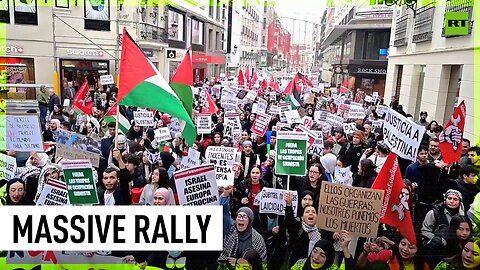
(197, 32)
(62, 3)
(218, 10)
(4, 11)
(210, 9)
(399, 81)
(25, 12)
(217, 41)
(422, 30)
(401, 31)
(210, 39)
(176, 25)
(97, 15)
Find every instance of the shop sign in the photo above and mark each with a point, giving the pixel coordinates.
(85, 52)
(171, 54)
(11, 49)
(338, 70)
(366, 70)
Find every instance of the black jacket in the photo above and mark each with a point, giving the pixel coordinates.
(122, 193)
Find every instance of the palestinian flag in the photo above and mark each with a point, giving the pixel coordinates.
(293, 95)
(182, 83)
(141, 85)
(123, 123)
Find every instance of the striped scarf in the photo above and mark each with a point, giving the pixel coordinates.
(313, 234)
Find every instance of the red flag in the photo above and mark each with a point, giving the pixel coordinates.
(211, 106)
(241, 79)
(184, 73)
(451, 137)
(255, 77)
(291, 84)
(344, 87)
(80, 102)
(215, 79)
(247, 74)
(395, 210)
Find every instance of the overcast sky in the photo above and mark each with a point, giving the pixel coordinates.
(301, 9)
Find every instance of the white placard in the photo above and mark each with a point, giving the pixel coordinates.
(307, 121)
(381, 110)
(251, 95)
(356, 111)
(106, 79)
(343, 176)
(273, 96)
(230, 103)
(349, 128)
(272, 201)
(21, 133)
(262, 105)
(274, 109)
(53, 193)
(377, 124)
(402, 135)
(204, 123)
(335, 120)
(255, 108)
(320, 115)
(232, 126)
(197, 186)
(144, 118)
(223, 158)
(162, 134)
(8, 167)
(368, 99)
(190, 161)
(293, 117)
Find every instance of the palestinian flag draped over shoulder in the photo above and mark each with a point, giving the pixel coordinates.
(141, 85)
(182, 82)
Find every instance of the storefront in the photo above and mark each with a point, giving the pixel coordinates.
(369, 78)
(77, 64)
(17, 71)
(206, 66)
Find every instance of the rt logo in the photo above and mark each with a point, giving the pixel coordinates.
(456, 24)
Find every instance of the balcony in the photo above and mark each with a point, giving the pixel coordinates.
(150, 32)
(401, 31)
(422, 30)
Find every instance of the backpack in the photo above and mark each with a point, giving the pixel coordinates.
(441, 221)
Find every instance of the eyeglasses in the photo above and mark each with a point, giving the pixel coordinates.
(242, 217)
(158, 198)
(313, 172)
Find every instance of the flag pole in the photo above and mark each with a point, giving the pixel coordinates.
(116, 126)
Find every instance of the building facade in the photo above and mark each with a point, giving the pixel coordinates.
(429, 71)
(355, 46)
(76, 40)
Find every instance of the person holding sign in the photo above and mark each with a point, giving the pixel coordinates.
(247, 157)
(352, 151)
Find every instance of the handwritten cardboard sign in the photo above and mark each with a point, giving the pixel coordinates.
(354, 209)
(21, 133)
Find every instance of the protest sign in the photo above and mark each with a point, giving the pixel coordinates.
(106, 79)
(354, 209)
(162, 134)
(368, 99)
(65, 260)
(321, 115)
(197, 186)
(54, 193)
(291, 158)
(262, 105)
(326, 127)
(251, 95)
(317, 147)
(335, 120)
(292, 117)
(377, 124)
(255, 107)
(204, 123)
(175, 125)
(232, 126)
(229, 103)
(272, 201)
(312, 136)
(381, 110)
(283, 108)
(356, 111)
(8, 167)
(190, 161)
(73, 146)
(318, 106)
(223, 158)
(349, 128)
(273, 96)
(274, 109)
(21, 133)
(402, 135)
(307, 121)
(343, 176)
(80, 184)
(260, 125)
(143, 118)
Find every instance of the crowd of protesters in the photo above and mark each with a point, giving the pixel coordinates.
(443, 198)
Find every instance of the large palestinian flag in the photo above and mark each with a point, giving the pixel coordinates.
(141, 85)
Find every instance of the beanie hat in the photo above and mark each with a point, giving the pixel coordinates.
(247, 143)
(165, 193)
(248, 212)
(453, 192)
